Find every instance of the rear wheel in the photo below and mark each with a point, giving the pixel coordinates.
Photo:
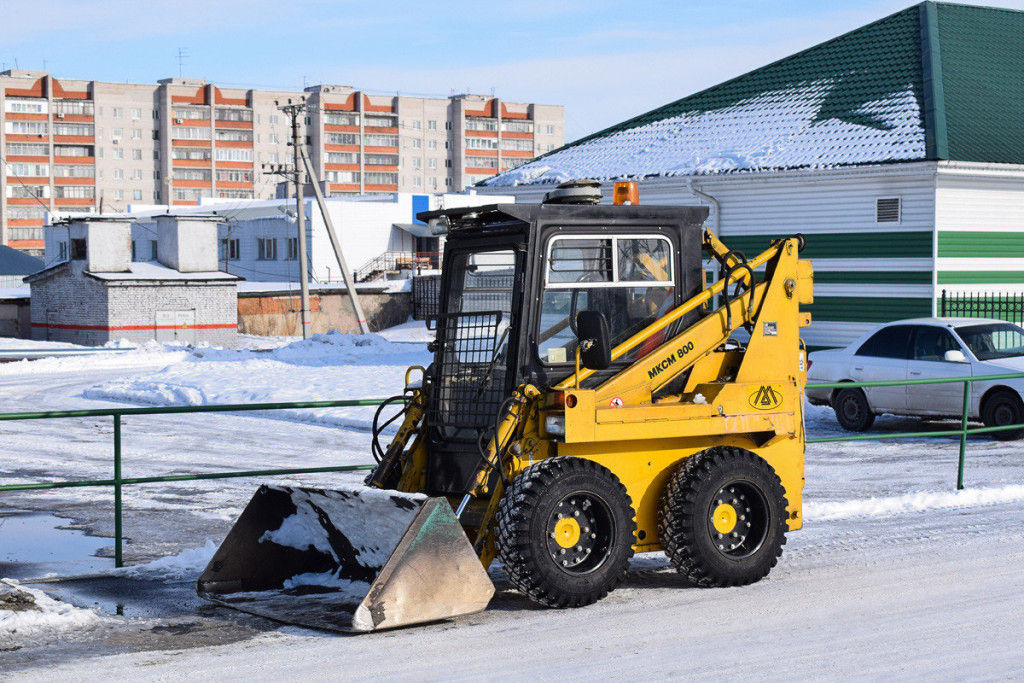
(723, 518)
(1003, 409)
(852, 410)
(565, 532)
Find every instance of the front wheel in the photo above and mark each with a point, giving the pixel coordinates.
(1002, 410)
(852, 410)
(565, 532)
(723, 518)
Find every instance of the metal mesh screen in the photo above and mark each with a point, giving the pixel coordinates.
(471, 376)
(426, 297)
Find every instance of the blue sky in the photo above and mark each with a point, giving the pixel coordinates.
(605, 61)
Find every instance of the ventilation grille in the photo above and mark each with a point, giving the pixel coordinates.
(887, 210)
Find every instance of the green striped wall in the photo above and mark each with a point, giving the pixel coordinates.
(981, 277)
(897, 246)
(862, 309)
(843, 245)
(975, 244)
(873, 277)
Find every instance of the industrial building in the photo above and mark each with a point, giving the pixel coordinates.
(92, 147)
(98, 294)
(897, 149)
(258, 240)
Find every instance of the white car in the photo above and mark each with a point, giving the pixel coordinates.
(926, 348)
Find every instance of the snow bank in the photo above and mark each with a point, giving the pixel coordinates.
(185, 566)
(912, 502)
(332, 366)
(28, 616)
(148, 355)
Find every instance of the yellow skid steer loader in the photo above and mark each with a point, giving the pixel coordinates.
(589, 397)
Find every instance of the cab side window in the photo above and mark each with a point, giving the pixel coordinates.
(628, 278)
(890, 342)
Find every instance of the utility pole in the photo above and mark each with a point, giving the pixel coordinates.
(294, 110)
(350, 284)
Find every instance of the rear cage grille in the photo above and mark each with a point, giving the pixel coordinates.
(470, 379)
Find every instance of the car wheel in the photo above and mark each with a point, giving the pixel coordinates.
(852, 410)
(1002, 409)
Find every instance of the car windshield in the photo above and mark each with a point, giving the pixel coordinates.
(993, 340)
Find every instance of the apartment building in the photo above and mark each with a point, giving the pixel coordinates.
(88, 146)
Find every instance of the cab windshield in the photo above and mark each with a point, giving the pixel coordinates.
(993, 340)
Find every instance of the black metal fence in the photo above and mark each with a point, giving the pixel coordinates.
(426, 296)
(1002, 305)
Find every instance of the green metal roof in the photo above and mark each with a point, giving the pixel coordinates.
(934, 81)
(981, 57)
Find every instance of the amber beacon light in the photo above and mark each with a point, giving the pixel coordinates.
(626, 193)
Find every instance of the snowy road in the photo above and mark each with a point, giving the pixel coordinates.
(893, 575)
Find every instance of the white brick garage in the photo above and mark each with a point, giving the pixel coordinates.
(99, 295)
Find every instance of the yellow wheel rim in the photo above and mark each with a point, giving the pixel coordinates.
(567, 532)
(724, 518)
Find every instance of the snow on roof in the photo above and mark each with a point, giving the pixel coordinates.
(155, 271)
(880, 94)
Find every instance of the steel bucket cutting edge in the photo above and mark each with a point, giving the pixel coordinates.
(357, 559)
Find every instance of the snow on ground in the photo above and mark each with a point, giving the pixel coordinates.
(29, 616)
(895, 573)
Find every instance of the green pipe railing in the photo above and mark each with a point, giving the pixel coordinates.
(119, 481)
(962, 432)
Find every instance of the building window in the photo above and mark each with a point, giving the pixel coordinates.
(550, 130)
(431, 163)
(229, 249)
(267, 249)
(343, 138)
(293, 248)
(119, 153)
(334, 118)
(432, 125)
(481, 124)
(433, 183)
(137, 154)
(119, 195)
(417, 143)
(137, 174)
(77, 249)
(137, 195)
(62, 251)
(136, 133)
(416, 163)
(118, 174)
(380, 140)
(431, 144)
(417, 181)
(118, 112)
(416, 124)
(517, 126)
(381, 160)
(227, 154)
(152, 250)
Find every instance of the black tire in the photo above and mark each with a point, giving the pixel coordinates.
(1001, 409)
(706, 504)
(852, 410)
(535, 523)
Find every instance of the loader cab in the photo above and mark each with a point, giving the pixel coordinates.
(514, 279)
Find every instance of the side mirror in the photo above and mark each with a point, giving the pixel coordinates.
(595, 347)
(955, 356)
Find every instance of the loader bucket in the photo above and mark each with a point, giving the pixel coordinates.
(358, 559)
